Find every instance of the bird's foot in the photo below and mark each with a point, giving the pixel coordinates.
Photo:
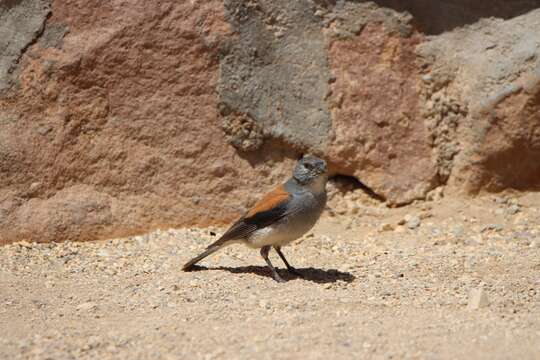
(277, 277)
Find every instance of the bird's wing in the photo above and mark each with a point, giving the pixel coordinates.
(271, 205)
(265, 212)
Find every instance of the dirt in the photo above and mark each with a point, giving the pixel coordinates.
(457, 279)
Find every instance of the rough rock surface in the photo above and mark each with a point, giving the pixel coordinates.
(375, 101)
(21, 22)
(490, 90)
(275, 70)
(117, 118)
(116, 131)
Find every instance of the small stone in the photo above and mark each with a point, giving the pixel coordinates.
(264, 304)
(87, 306)
(513, 209)
(492, 227)
(102, 253)
(458, 231)
(385, 227)
(477, 299)
(427, 78)
(435, 194)
(44, 130)
(34, 186)
(412, 221)
(354, 209)
(25, 244)
(500, 200)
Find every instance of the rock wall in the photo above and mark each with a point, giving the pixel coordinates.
(120, 117)
(493, 78)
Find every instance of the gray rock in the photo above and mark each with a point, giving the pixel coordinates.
(21, 22)
(260, 77)
(412, 221)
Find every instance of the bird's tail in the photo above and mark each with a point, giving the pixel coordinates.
(209, 250)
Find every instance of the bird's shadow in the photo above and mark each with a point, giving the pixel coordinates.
(319, 276)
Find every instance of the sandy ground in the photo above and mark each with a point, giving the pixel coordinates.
(458, 279)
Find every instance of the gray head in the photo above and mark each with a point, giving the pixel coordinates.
(308, 169)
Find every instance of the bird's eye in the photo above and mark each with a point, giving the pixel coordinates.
(308, 166)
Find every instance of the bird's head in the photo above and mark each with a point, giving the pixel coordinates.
(310, 169)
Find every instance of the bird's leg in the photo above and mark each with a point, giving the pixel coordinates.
(264, 253)
(289, 267)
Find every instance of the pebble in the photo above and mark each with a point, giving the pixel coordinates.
(264, 304)
(87, 306)
(500, 200)
(477, 299)
(493, 227)
(458, 231)
(412, 221)
(435, 194)
(102, 253)
(513, 209)
(385, 227)
(427, 78)
(25, 244)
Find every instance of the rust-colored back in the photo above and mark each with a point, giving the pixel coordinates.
(269, 201)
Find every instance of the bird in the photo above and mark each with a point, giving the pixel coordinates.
(280, 217)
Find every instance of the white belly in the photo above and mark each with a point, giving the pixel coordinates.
(279, 235)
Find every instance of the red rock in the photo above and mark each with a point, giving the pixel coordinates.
(507, 151)
(379, 134)
(119, 127)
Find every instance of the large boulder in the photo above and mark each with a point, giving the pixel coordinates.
(114, 128)
(486, 77)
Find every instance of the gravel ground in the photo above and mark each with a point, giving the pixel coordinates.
(448, 278)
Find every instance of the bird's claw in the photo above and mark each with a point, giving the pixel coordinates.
(278, 278)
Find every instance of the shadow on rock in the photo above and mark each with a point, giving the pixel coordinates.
(319, 276)
(437, 17)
